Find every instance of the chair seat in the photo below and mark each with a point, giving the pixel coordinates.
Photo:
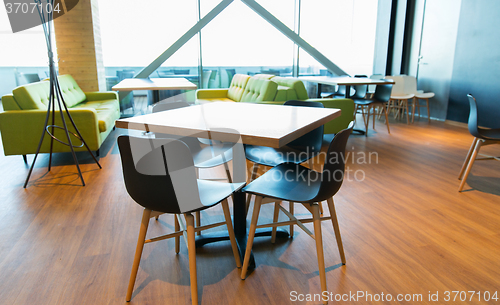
(424, 95)
(210, 156)
(363, 101)
(287, 181)
(402, 96)
(269, 156)
(490, 134)
(213, 192)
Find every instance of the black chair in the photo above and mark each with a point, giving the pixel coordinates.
(482, 137)
(30, 77)
(159, 175)
(181, 72)
(205, 153)
(295, 183)
(379, 99)
(297, 151)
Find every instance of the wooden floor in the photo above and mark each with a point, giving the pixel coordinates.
(406, 230)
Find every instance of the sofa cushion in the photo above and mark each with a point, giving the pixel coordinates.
(296, 84)
(72, 93)
(237, 87)
(32, 96)
(36, 95)
(259, 89)
(108, 111)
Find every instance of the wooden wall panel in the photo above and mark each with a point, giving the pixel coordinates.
(79, 47)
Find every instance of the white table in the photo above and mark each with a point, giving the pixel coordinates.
(154, 84)
(258, 124)
(343, 81)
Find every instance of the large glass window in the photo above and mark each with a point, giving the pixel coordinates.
(344, 31)
(238, 40)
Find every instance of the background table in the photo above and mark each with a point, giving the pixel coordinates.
(343, 81)
(257, 124)
(154, 84)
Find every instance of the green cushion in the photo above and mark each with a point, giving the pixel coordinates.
(108, 111)
(296, 84)
(72, 94)
(9, 102)
(259, 89)
(237, 87)
(36, 95)
(32, 96)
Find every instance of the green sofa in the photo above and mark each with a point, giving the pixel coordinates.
(293, 89)
(23, 118)
(271, 89)
(243, 88)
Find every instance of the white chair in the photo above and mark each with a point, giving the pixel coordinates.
(399, 98)
(410, 84)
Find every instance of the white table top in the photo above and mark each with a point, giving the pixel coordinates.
(176, 83)
(345, 81)
(258, 124)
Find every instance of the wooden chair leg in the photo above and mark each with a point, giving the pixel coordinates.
(255, 169)
(177, 239)
(275, 220)
(336, 229)
(192, 257)
(228, 173)
(428, 110)
(414, 103)
(386, 120)
(319, 248)
(367, 121)
(197, 217)
(320, 208)
(232, 238)
(467, 158)
(373, 119)
(291, 207)
(251, 235)
(138, 251)
(471, 162)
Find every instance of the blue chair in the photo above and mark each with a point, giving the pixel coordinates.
(159, 175)
(482, 137)
(301, 184)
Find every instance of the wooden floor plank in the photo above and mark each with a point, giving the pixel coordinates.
(405, 229)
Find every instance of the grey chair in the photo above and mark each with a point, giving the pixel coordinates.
(159, 175)
(482, 137)
(307, 187)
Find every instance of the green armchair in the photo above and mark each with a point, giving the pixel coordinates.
(23, 118)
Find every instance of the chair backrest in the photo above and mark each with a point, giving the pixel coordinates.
(333, 170)
(359, 90)
(383, 93)
(206, 78)
(30, 77)
(473, 125)
(230, 74)
(159, 174)
(399, 87)
(310, 142)
(410, 84)
(371, 88)
(181, 71)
